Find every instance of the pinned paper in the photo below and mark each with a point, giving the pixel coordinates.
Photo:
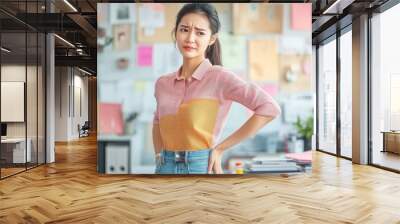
(107, 91)
(139, 86)
(253, 11)
(293, 45)
(136, 98)
(102, 13)
(145, 55)
(149, 31)
(122, 37)
(151, 15)
(166, 59)
(122, 13)
(271, 13)
(307, 67)
(263, 60)
(301, 16)
(149, 101)
(233, 51)
(158, 7)
(110, 116)
(225, 16)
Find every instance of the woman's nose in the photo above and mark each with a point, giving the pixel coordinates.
(190, 37)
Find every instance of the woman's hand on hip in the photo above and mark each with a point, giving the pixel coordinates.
(214, 162)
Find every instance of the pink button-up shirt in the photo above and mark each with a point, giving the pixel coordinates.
(191, 112)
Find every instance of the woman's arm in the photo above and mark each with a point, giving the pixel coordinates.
(265, 109)
(157, 141)
(248, 129)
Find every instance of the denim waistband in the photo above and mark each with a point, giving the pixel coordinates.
(188, 152)
(183, 156)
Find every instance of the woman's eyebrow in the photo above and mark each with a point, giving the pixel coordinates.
(197, 28)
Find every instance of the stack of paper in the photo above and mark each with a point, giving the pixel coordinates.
(300, 158)
(265, 165)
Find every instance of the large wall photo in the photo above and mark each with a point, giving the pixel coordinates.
(220, 88)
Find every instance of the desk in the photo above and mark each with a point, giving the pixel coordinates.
(391, 141)
(17, 149)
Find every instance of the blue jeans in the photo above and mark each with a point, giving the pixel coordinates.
(183, 162)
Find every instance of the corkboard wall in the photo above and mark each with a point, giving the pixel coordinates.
(257, 18)
(162, 34)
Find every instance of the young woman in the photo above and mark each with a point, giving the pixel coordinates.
(193, 102)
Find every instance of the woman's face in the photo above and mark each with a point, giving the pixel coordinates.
(193, 35)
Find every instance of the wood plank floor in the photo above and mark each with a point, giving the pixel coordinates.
(9, 171)
(70, 191)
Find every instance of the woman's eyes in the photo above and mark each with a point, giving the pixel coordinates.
(187, 30)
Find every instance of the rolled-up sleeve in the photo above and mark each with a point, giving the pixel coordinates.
(250, 95)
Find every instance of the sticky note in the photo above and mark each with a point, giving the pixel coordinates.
(145, 55)
(301, 16)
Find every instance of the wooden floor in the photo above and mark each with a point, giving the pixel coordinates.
(70, 191)
(10, 171)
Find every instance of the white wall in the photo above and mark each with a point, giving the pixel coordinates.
(12, 73)
(61, 103)
(33, 126)
(17, 73)
(70, 83)
(80, 94)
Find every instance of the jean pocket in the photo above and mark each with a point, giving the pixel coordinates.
(198, 166)
(167, 168)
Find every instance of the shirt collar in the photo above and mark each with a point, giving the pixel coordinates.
(198, 73)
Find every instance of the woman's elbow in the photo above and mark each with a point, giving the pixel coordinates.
(270, 111)
(278, 111)
(273, 111)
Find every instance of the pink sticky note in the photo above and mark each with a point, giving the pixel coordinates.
(272, 89)
(301, 16)
(305, 157)
(307, 67)
(145, 55)
(158, 7)
(111, 121)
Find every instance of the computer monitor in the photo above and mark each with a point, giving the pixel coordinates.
(3, 129)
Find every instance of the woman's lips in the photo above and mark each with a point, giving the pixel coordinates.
(188, 48)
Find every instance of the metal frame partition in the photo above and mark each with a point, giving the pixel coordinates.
(335, 36)
(43, 52)
(382, 8)
(341, 27)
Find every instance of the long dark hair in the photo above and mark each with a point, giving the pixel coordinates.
(213, 52)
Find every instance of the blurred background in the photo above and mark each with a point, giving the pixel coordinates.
(268, 44)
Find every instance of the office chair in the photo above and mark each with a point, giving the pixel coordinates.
(84, 130)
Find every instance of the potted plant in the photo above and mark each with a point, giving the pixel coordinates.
(305, 130)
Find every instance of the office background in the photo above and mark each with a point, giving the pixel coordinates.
(22, 77)
(336, 94)
(270, 45)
